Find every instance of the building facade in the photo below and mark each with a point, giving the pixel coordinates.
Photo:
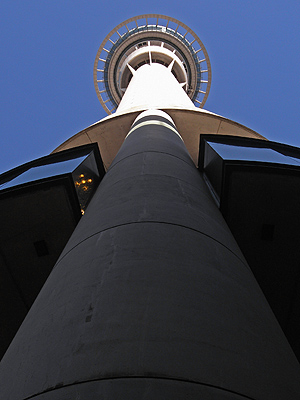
(156, 250)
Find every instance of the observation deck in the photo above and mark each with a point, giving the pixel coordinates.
(147, 39)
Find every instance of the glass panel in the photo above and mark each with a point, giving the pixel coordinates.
(229, 152)
(45, 171)
(86, 179)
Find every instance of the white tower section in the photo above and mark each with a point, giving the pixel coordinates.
(154, 86)
(151, 61)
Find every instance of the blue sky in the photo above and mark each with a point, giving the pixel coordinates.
(48, 47)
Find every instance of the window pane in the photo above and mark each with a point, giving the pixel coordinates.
(44, 171)
(229, 152)
(86, 179)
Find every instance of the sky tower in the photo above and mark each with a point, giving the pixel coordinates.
(167, 249)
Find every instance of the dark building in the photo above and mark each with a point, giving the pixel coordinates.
(155, 254)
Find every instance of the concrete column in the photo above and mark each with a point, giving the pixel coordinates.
(154, 86)
(151, 298)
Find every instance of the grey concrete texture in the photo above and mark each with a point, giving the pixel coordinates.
(151, 286)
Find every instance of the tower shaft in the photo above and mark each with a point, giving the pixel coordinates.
(151, 297)
(154, 86)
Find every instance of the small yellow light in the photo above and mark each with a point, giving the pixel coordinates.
(81, 176)
(82, 211)
(90, 180)
(83, 181)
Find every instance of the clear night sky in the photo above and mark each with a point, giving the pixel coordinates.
(48, 49)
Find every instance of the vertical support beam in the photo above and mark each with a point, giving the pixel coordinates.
(154, 86)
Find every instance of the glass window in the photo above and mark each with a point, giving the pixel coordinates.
(229, 152)
(45, 171)
(86, 179)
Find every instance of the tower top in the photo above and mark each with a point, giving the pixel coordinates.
(146, 39)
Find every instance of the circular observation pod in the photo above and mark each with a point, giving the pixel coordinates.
(147, 39)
